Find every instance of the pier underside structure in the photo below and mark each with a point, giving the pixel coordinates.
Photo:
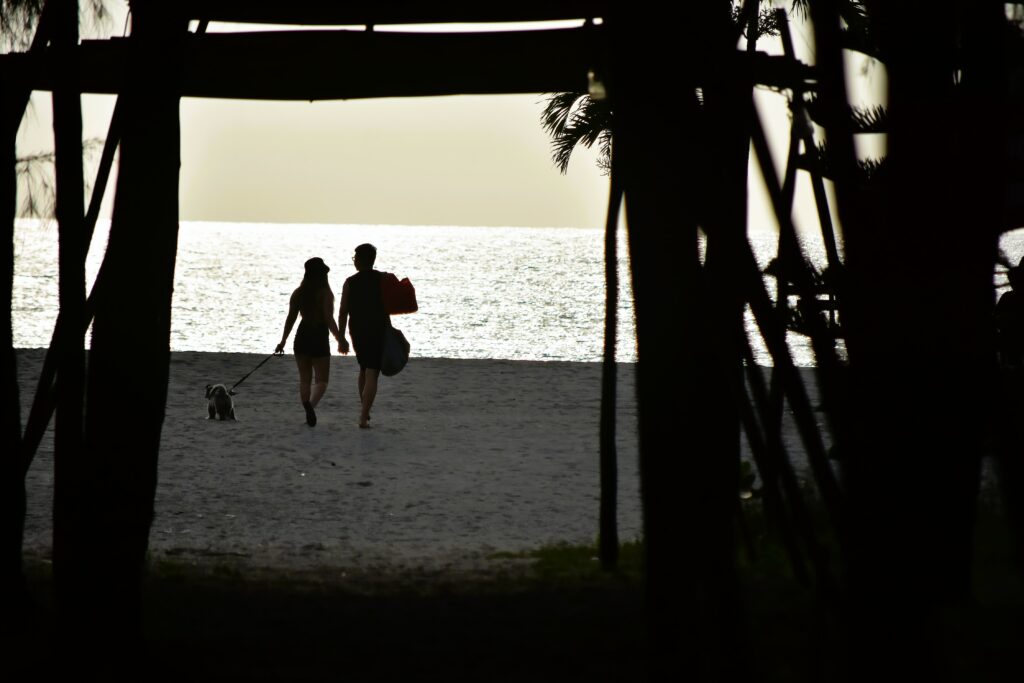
(685, 127)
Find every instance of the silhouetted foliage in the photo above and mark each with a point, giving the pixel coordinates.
(574, 118)
(35, 177)
(767, 23)
(863, 119)
(884, 540)
(821, 161)
(18, 19)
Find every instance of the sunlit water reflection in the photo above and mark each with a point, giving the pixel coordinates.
(510, 293)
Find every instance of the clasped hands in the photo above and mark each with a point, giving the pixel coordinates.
(342, 347)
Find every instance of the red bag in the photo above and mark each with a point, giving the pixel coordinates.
(397, 296)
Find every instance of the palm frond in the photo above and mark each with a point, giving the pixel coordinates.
(871, 168)
(856, 31)
(869, 119)
(556, 113)
(604, 162)
(862, 119)
(818, 160)
(575, 119)
(593, 117)
(563, 145)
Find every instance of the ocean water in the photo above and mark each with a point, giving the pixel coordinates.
(510, 293)
(483, 292)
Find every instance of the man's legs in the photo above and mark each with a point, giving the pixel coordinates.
(367, 392)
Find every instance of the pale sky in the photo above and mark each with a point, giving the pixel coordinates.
(481, 160)
(463, 160)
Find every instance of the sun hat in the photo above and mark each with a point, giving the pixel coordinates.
(316, 265)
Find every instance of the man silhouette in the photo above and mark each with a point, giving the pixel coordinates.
(361, 307)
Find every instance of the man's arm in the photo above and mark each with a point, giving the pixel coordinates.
(329, 315)
(343, 320)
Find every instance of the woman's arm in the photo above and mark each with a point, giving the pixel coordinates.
(343, 319)
(329, 315)
(293, 313)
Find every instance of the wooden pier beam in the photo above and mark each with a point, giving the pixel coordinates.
(340, 64)
(317, 12)
(306, 65)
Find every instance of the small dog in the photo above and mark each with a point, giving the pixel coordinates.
(220, 406)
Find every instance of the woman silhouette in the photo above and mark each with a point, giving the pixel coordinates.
(315, 301)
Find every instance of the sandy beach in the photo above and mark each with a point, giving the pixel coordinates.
(465, 458)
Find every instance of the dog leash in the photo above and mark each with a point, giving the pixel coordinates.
(255, 369)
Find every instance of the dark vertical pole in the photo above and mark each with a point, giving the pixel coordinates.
(12, 481)
(131, 329)
(12, 475)
(44, 402)
(609, 540)
(68, 540)
(664, 266)
(719, 155)
(688, 415)
(919, 296)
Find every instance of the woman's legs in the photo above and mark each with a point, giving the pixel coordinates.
(321, 375)
(305, 364)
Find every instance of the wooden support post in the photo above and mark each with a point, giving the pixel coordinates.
(131, 330)
(917, 308)
(664, 264)
(609, 538)
(12, 496)
(710, 492)
(12, 480)
(69, 542)
(13, 102)
(44, 403)
(688, 417)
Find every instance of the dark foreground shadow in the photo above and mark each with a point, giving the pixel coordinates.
(221, 625)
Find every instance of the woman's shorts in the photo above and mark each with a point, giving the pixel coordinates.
(312, 339)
